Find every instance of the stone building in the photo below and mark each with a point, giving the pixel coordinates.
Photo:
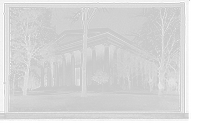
(104, 46)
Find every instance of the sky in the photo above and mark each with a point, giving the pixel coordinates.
(121, 20)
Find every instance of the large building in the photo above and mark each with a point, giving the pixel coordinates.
(107, 51)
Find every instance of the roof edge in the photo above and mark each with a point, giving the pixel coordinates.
(105, 31)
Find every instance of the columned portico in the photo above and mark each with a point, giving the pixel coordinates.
(103, 54)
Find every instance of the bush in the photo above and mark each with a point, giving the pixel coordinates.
(101, 77)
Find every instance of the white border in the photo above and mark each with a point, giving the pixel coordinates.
(97, 113)
(7, 56)
(102, 5)
(182, 58)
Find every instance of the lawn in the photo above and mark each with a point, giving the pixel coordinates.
(148, 92)
(94, 102)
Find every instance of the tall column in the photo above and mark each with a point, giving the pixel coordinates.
(72, 69)
(106, 57)
(93, 59)
(122, 83)
(94, 69)
(115, 60)
(142, 71)
(111, 77)
(49, 75)
(42, 75)
(17, 83)
(64, 70)
(81, 51)
(56, 75)
(155, 74)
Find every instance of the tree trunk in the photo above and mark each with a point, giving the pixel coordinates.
(136, 73)
(161, 77)
(161, 82)
(178, 87)
(161, 68)
(136, 78)
(85, 33)
(13, 85)
(150, 87)
(150, 83)
(123, 83)
(26, 79)
(129, 83)
(51, 69)
(102, 87)
(26, 82)
(169, 88)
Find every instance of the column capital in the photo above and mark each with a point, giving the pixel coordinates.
(106, 44)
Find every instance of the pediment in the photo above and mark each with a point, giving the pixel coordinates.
(70, 36)
(69, 41)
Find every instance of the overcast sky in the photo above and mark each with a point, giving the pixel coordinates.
(121, 20)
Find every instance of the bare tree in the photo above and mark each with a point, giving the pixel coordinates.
(161, 36)
(130, 67)
(26, 27)
(124, 68)
(173, 74)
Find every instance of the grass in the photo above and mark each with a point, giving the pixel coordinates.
(94, 102)
(147, 91)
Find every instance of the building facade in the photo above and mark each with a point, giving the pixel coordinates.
(103, 47)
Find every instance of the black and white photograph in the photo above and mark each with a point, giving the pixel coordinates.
(95, 61)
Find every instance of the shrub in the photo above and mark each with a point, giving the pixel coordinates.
(101, 77)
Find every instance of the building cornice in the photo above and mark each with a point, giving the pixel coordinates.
(95, 36)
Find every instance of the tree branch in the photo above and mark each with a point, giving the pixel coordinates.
(82, 15)
(77, 14)
(90, 18)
